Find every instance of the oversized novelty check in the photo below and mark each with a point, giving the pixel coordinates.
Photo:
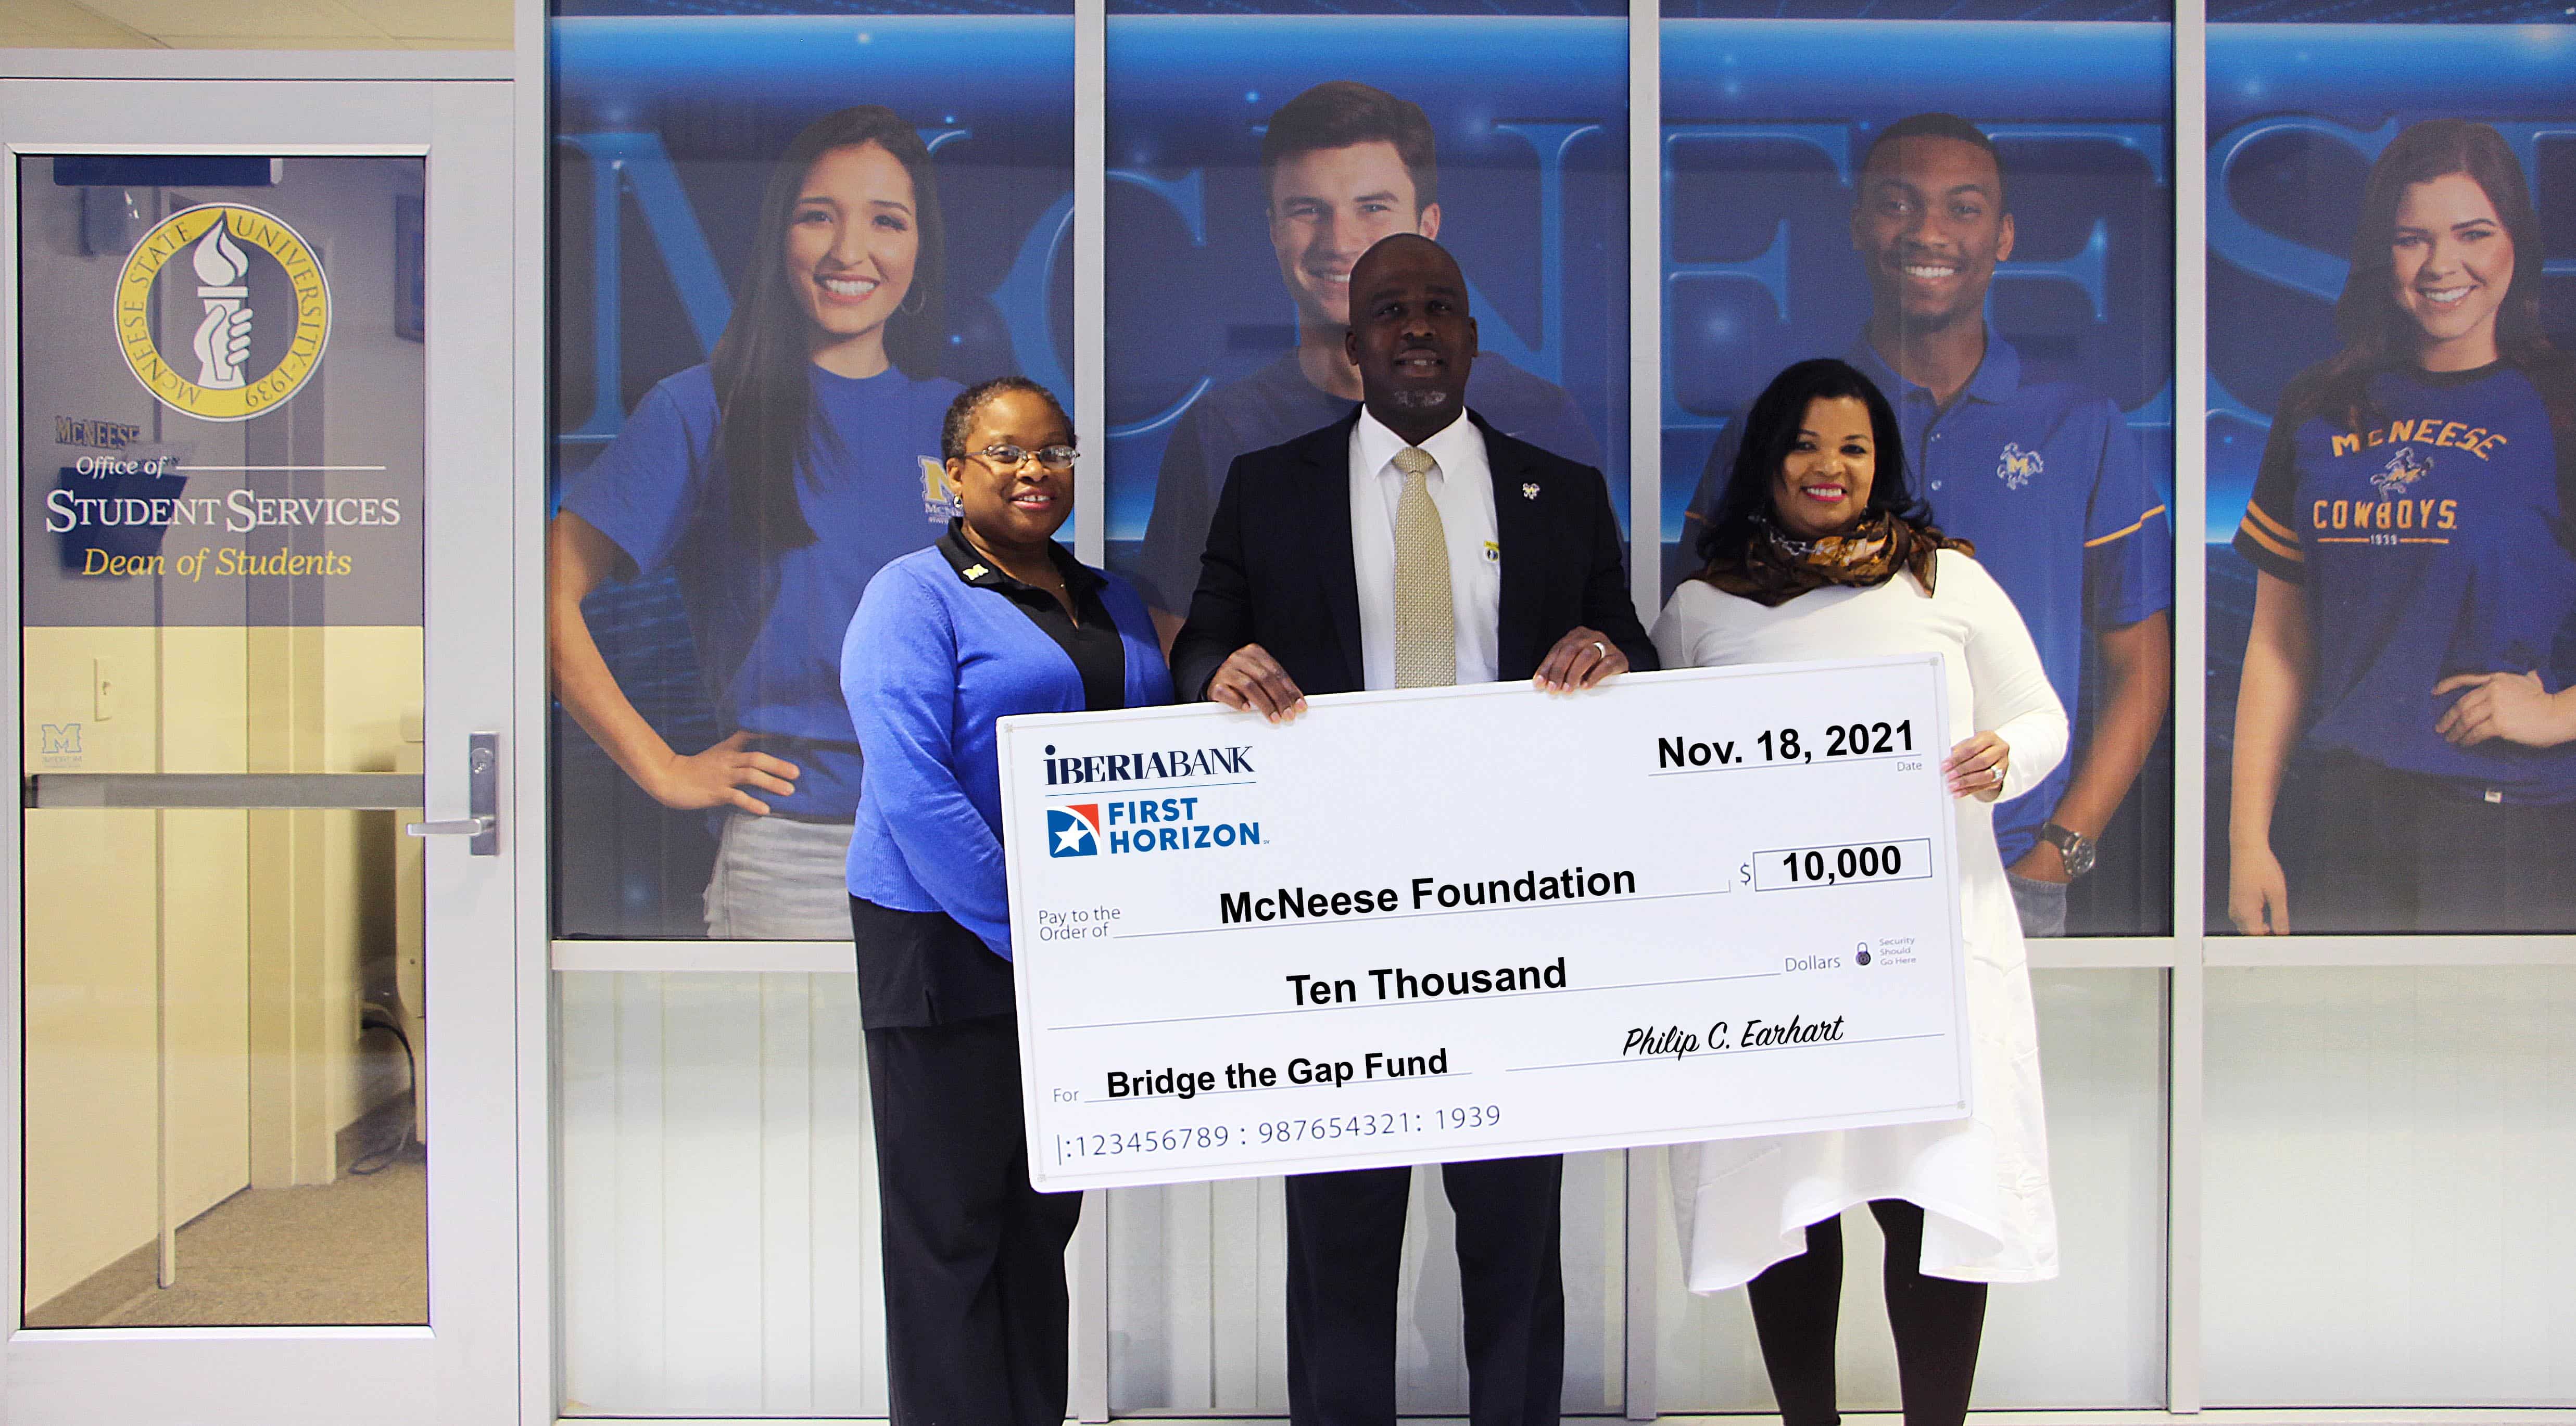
(1477, 922)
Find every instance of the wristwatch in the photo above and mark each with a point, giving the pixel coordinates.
(2077, 849)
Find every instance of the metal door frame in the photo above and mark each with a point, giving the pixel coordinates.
(487, 1355)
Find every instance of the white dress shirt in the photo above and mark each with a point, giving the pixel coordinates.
(1462, 489)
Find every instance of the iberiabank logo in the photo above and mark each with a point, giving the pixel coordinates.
(1073, 831)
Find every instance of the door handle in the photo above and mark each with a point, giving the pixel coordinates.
(457, 827)
(482, 801)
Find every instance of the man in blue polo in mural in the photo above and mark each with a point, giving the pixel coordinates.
(2043, 475)
(1342, 165)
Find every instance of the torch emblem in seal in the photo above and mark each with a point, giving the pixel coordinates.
(199, 357)
(223, 338)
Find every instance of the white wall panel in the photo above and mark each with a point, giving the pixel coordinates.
(2092, 1337)
(718, 1197)
(2389, 1158)
(1198, 1274)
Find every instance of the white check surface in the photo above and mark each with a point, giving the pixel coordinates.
(1470, 923)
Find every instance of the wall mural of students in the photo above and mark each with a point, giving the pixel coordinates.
(1986, 232)
(774, 481)
(681, 305)
(1254, 157)
(2042, 474)
(2392, 592)
(2416, 583)
(1343, 164)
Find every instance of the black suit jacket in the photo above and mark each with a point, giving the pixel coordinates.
(1278, 571)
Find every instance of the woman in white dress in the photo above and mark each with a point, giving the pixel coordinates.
(1819, 550)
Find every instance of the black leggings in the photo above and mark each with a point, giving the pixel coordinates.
(1937, 1322)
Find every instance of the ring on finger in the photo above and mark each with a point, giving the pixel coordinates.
(1601, 648)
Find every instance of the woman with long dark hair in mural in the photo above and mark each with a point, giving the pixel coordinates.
(2415, 595)
(1817, 548)
(996, 619)
(774, 482)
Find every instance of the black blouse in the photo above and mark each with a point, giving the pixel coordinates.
(1094, 646)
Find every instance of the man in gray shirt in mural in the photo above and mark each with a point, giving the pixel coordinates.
(1344, 164)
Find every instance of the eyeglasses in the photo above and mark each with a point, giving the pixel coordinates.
(1052, 457)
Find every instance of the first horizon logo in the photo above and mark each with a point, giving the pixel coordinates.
(1074, 831)
(1145, 824)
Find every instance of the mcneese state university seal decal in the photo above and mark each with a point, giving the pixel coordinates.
(221, 355)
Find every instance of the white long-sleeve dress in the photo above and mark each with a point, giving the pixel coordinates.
(1744, 1204)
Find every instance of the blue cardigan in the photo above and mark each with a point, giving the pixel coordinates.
(929, 663)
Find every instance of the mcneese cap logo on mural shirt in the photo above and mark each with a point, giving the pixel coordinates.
(245, 311)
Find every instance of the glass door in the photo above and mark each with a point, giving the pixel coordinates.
(261, 396)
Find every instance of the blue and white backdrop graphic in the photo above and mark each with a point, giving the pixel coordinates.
(665, 128)
(1765, 125)
(1530, 112)
(667, 117)
(2297, 114)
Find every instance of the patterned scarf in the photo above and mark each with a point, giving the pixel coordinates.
(1777, 567)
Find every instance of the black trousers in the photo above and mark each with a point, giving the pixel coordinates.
(1938, 1324)
(974, 1257)
(2372, 849)
(1345, 1242)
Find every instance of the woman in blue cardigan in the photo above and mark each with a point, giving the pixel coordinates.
(994, 619)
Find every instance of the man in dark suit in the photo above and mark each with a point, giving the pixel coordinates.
(1406, 545)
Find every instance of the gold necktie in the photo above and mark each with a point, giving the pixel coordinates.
(1426, 617)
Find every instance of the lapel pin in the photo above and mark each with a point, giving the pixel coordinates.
(1530, 491)
(975, 571)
